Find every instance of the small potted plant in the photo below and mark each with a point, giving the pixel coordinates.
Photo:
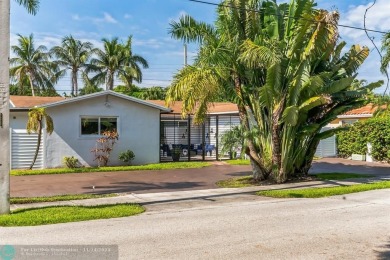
(176, 152)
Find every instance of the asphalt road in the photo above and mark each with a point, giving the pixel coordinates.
(355, 226)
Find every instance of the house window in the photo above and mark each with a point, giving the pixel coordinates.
(97, 125)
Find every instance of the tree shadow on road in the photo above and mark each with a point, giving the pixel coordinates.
(127, 187)
(348, 166)
(384, 252)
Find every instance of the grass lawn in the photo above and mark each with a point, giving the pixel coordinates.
(237, 182)
(340, 176)
(64, 214)
(238, 162)
(26, 200)
(247, 181)
(156, 166)
(324, 192)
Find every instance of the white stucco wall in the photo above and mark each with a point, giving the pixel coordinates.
(138, 128)
(18, 120)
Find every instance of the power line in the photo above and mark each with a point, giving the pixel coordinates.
(292, 17)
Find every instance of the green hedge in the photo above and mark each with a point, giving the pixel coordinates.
(374, 130)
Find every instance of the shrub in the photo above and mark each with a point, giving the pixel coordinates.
(232, 140)
(375, 131)
(352, 141)
(71, 162)
(127, 156)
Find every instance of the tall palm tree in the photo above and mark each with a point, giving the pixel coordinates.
(34, 64)
(116, 60)
(286, 75)
(32, 7)
(37, 118)
(89, 86)
(73, 55)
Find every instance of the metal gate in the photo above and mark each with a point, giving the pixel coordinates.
(181, 140)
(327, 147)
(23, 146)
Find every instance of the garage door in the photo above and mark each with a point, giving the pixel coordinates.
(23, 146)
(327, 147)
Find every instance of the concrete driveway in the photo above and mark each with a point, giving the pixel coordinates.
(164, 180)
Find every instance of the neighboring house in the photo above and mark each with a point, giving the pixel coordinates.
(328, 147)
(78, 123)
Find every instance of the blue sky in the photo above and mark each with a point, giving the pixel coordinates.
(148, 22)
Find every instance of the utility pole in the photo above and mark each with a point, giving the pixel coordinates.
(4, 106)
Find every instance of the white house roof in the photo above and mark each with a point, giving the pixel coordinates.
(104, 93)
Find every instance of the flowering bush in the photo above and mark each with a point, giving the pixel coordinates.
(104, 147)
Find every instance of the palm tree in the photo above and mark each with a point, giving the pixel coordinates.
(116, 60)
(89, 86)
(34, 64)
(73, 55)
(32, 7)
(36, 118)
(286, 74)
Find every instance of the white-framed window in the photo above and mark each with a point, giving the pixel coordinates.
(96, 125)
(349, 121)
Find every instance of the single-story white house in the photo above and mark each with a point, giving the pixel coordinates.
(148, 128)
(78, 123)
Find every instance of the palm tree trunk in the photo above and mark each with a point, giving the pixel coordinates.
(111, 81)
(74, 83)
(259, 170)
(30, 78)
(278, 170)
(38, 143)
(276, 149)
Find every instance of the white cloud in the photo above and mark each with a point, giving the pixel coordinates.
(76, 17)
(127, 16)
(107, 18)
(149, 43)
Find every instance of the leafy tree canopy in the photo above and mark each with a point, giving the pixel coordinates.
(284, 67)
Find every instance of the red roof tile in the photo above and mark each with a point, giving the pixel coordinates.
(29, 102)
(217, 107)
(368, 109)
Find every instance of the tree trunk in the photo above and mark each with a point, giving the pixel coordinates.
(110, 81)
(259, 170)
(73, 83)
(278, 171)
(304, 169)
(4, 107)
(30, 78)
(38, 143)
(76, 84)
(276, 146)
